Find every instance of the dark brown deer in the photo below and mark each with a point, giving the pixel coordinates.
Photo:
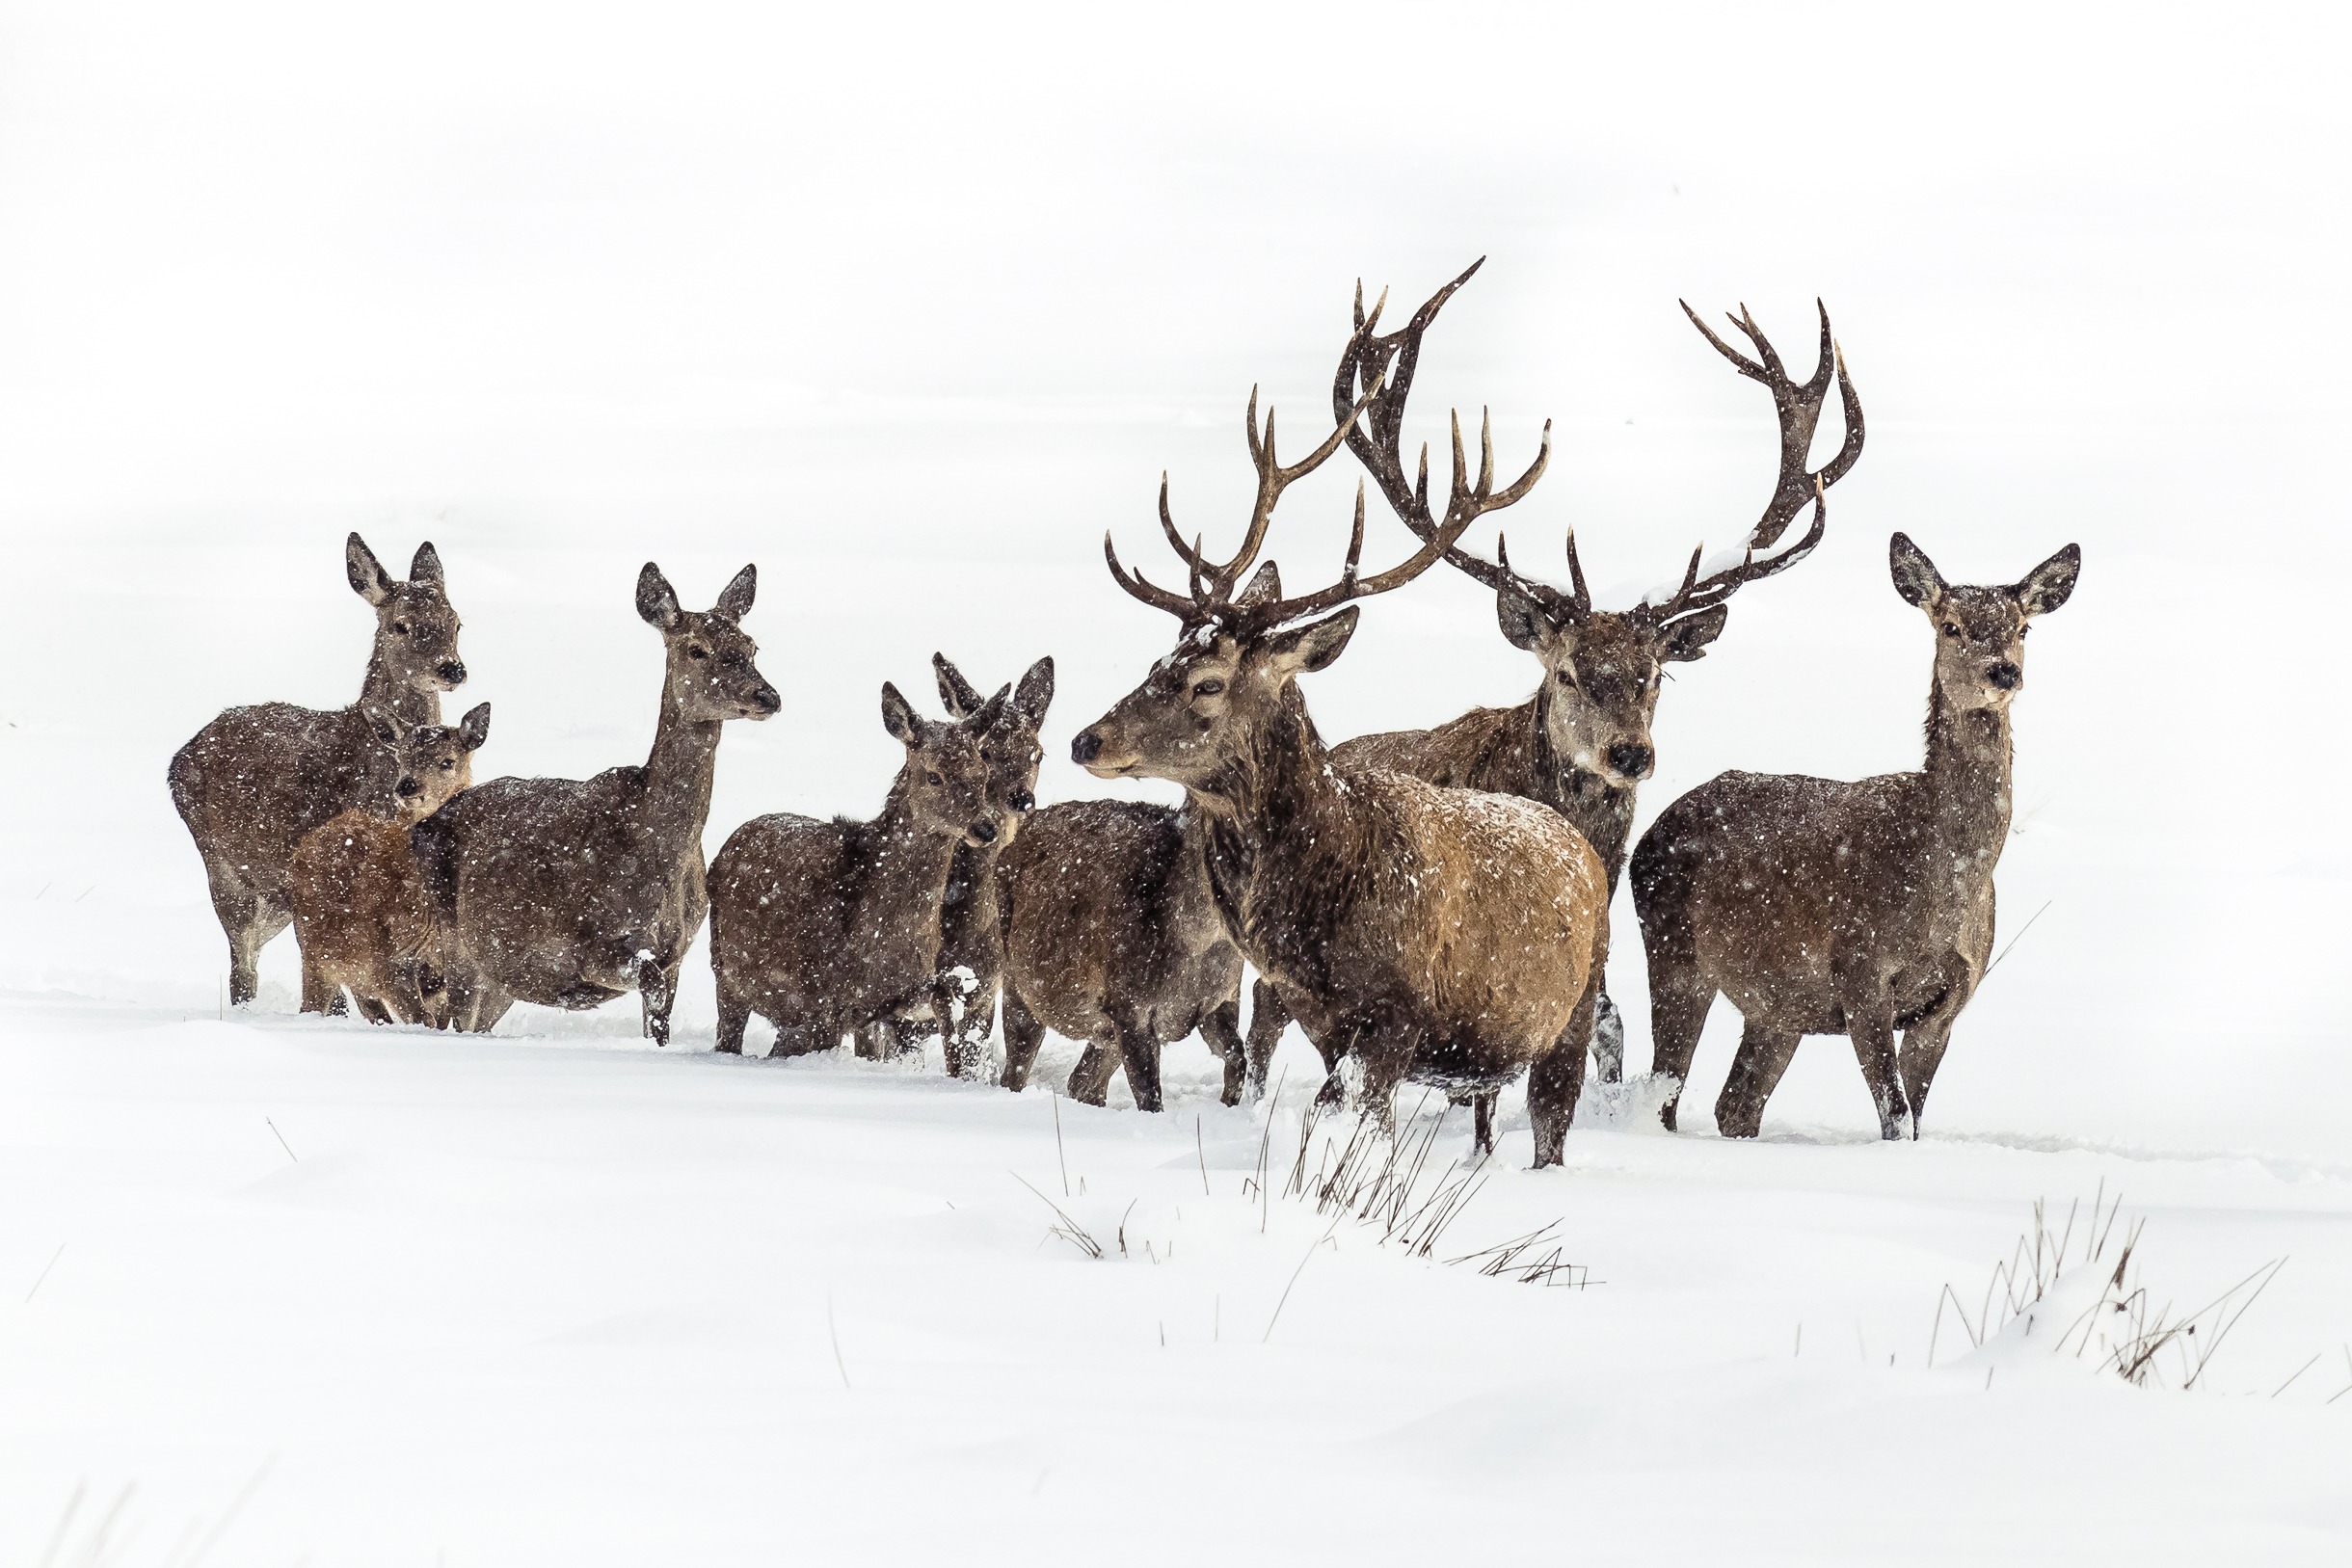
(1441, 936)
(255, 780)
(832, 928)
(1581, 744)
(1112, 936)
(1860, 909)
(970, 928)
(362, 914)
(569, 893)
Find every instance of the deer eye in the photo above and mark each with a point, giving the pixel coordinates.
(400, 628)
(447, 765)
(1951, 628)
(697, 652)
(1208, 687)
(2024, 630)
(1566, 678)
(934, 778)
(988, 756)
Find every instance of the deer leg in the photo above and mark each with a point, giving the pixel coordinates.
(962, 1003)
(1556, 1080)
(247, 921)
(1609, 1041)
(1924, 1041)
(734, 1014)
(1023, 1035)
(1764, 1054)
(1223, 1028)
(1873, 1032)
(1679, 997)
(1139, 1053)
(657, 992)
(318, 994)
(1091, 1078)
(1481, 1122)
(1267, 1019)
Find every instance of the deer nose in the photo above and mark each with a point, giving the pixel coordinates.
(767, 700)
(409, 786)
(2006, 675)
(1084, 747)
(453, 672)
(984, 832)
(1024, 801)
(1631, 761)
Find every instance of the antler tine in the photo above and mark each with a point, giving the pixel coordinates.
(1583, 599)
(1694, 595)
(1273, 478)
(1355, 538)
(1352, 587)
(1797, 406)
(1188, 553)
(1139, 587)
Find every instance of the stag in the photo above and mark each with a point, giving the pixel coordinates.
(1422, 933)
(1581, 744)
(255, 780)
(1821, 907)
(832, 928)
(361, 910)
(971, 964)
(569, 893)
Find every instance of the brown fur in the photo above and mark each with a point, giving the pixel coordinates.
(361, 910)
(971, 927)
(1440, 936)
(1112, 936)
(1821, 907)
(829, 928)
(569, 893)
(252, 783)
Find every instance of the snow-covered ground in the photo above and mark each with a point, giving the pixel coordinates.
(908, 309)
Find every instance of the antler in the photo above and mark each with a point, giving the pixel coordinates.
(1210, 584)
(1371, 360)
(1799, 406)
(1350, 585)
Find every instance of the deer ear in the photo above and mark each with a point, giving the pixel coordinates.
(657, 599)
(734, 599)
(1682, 640)
(1265, 586)
(2051, 583)
(1308, 649)
(1915, 577)
(1035, 691)
(958, 696)
(473, 729)
(899, 718)
(425, 566)
(1521, 618)
(368, 578)
(381, 725)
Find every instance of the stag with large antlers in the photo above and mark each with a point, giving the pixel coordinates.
(1440, 936)
(1581, 744)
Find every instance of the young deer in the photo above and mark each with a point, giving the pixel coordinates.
(360, 911)
(1444, 935)
(569, 892)
(829, 928)
(255, 780)
(1859, 909)
(1581, 744)
(970, 928)
(1112, 936)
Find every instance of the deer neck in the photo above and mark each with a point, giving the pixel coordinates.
(1967, 774)
(383, 691)
(909, 858)
(1280, 782)
(1594, 807)
(678, 773)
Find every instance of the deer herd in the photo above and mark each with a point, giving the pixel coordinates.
(1430, 906)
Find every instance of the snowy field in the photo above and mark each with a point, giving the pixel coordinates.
(908, 310)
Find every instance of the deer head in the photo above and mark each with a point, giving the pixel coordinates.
(1979, 632)
(436, 759)
(944, 780)
(1008, 744)
(1601, 668)
(711, 675)
(1199, 711)
(415, 628)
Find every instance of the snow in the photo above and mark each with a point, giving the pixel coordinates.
(908, 312)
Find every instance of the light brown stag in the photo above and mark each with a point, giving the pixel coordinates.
(1582, 743)
(362, 914)
(252, 783)
(832, 928)
(1821, 907)
(1439, 936)
(569, 892)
